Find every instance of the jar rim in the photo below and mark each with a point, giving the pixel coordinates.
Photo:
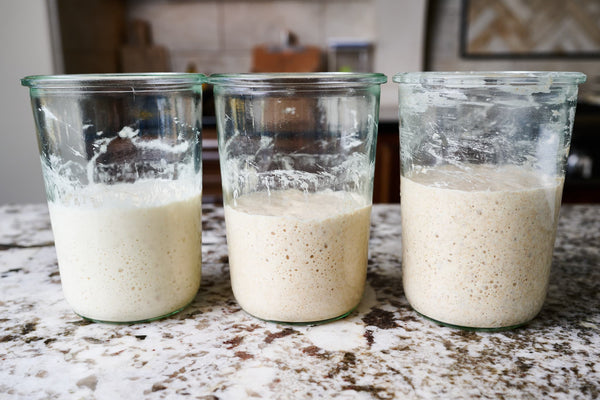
(286, 79)
(484, 78)
(117, 80)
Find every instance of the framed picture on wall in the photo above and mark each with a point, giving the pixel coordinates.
(530, 29)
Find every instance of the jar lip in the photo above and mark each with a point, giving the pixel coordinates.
(284, 79)
(117, 80)
(491, 77)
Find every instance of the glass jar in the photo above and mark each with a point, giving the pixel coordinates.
(297, 156)
(483, 158)
(121, 159)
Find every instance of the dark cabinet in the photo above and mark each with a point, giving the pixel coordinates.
(582, 184)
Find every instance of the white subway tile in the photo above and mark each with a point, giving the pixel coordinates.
(350, 19)
(250, 23)
(180, 26)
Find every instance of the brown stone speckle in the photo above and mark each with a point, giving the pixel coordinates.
(89, 382)
(369, 337)
(375, 391)
(347, 362)
(380, 318)
(243, 355)
(272, 336)
(158, 387)
(236, 341)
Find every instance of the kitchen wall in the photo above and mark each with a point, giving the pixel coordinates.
(218, 36)
(26, 49)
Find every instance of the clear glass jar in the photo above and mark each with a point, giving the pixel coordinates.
(297, 156)
(483, 157)
(121, 159)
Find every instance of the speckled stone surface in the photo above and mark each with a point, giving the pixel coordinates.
(213, 350)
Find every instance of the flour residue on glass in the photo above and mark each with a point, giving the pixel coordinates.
(263, 169)
(124, 158)
(483, 121)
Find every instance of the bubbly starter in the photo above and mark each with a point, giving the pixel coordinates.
(477, 246)
(298, 257)
(129, 262)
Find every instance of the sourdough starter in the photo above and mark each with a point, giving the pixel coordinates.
(298, 257)
(122, 262)
(477, 246)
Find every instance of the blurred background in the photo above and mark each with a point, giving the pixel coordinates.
(208, 36)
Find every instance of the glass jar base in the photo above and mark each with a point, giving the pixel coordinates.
(305, 323)
(140, 321)
(472, 328)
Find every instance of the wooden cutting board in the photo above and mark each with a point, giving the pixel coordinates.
(295, 59)
(139, 54)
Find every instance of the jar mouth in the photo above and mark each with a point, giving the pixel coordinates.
(312, 79)
(84, 82)
(483, 78)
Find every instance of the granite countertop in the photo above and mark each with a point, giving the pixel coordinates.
(213, 350)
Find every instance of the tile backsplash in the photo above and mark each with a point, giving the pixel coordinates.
(218, 36)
